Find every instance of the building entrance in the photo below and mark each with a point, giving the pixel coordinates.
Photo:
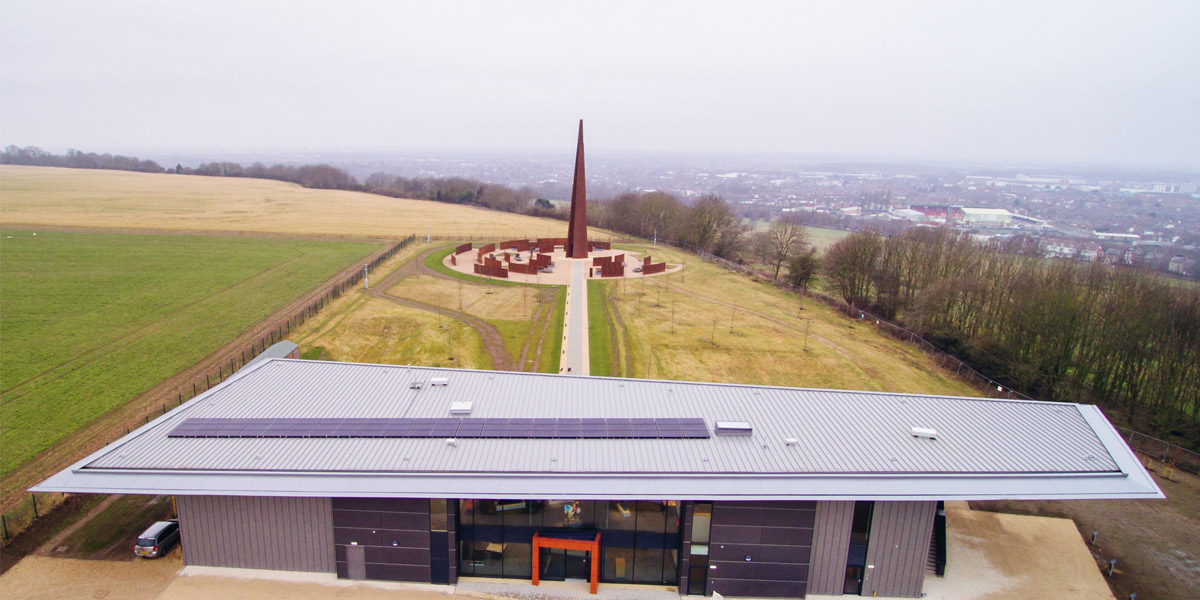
(641, 539)
(560, 564)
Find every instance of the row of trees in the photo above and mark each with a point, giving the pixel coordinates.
(458, 190)
(708, 225)
(34, 156)
(1057, 330)
(320, 176)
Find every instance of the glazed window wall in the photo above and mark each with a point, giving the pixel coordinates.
(639, 539)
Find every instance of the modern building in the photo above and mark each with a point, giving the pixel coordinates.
(428, 475)
(986, 216)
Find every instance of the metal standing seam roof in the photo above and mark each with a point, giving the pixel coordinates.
(847, 444)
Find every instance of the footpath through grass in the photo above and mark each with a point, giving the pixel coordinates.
(363, 328)
(93, 320)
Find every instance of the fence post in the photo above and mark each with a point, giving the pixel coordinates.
(33, 498)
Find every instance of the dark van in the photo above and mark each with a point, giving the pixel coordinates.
(158, 539)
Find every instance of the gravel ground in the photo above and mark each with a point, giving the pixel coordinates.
(995, 556)
(45, 578)
(1156, 542)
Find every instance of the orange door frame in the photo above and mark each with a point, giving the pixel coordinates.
(593, 546)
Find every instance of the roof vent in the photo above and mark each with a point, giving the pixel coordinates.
(439, 381)
(922, 432)
(734, 428)
(416, 385)
(460, 408)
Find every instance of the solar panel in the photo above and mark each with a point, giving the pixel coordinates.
(641, 428)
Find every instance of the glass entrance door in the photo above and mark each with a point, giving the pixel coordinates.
(558, 564)
(578, 565)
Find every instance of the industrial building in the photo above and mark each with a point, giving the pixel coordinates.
(428, 475)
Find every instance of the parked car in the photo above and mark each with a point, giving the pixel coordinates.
(158, 539)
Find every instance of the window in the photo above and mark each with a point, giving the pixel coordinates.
(698, 557)
(640, 539)
(437, 514)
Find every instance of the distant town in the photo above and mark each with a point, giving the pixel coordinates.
(1149, 220)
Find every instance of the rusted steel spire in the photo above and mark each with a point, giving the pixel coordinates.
(577, 242)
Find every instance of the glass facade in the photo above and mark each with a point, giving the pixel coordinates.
(639, 540)
(698, 557)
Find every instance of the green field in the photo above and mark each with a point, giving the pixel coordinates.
(822, 238)
(90, 320)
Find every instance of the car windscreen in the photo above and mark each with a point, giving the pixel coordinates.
(145, 541)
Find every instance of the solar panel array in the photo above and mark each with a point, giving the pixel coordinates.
(442, 428)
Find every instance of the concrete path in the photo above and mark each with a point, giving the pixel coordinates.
(575, 360)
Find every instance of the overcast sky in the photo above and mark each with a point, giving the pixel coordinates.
(1066, 82)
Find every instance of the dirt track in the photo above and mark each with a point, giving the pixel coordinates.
(492, 341)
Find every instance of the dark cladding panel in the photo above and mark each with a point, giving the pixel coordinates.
(761, 548)
(899, 546)
(281, 534)
(393, 531)
(831, 539)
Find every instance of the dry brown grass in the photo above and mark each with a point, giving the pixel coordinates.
(766, 345)
(360, 328)
(123, 200)
(512, 303)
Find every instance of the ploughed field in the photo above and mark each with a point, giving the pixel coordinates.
(92, 320)
(120, 199)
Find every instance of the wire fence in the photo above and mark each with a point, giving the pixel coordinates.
(947, 361)
(1162, 451)
(22, 515)
(1153, 447)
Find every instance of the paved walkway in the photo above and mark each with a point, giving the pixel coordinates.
(575, 358)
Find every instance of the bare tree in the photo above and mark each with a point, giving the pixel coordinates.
(711, 226)
(850, 263)
(787, 237)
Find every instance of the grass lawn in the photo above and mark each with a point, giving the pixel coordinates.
(90, 321)
(822, 238)
(119, 199)
(358, 327)
(552, 351)
(707, 324)
(361, 328)
(599, 329)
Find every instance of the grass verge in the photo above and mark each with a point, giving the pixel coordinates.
(551, 358)
(599, 334)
